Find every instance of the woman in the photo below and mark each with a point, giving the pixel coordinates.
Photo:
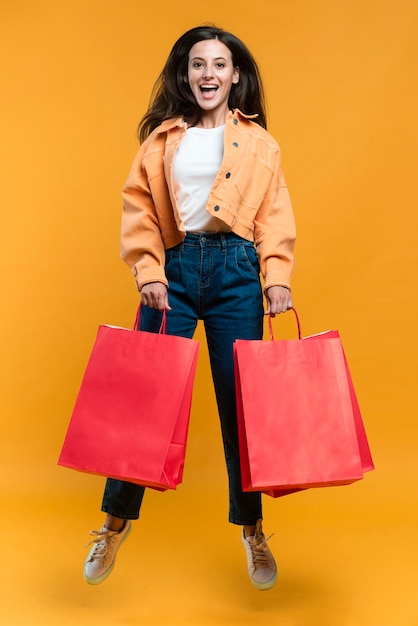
(205, 208)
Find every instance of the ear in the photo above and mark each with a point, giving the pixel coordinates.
(186, 79)
(235, 75)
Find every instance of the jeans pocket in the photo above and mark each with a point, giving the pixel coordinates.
(248, 256)
(168, 256)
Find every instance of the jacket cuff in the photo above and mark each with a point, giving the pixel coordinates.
(276, 279)
(150, 275)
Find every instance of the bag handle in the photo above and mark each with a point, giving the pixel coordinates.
(297, 322)
(163, 327)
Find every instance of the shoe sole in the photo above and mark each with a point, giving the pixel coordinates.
(102, 578)
(269, 584)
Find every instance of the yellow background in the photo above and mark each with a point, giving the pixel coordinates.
(341, 82)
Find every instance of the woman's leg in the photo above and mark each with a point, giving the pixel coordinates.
(122, 500)
(232, 306)
(233, 309)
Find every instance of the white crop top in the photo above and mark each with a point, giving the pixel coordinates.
(196, 164)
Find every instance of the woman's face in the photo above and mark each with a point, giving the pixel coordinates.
(211, 75)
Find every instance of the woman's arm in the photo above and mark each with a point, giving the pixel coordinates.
(275, 232)
(141, 243)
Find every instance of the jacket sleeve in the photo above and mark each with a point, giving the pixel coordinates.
(275, 231)
(141, 243)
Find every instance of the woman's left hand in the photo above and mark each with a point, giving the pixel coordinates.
(279, 300)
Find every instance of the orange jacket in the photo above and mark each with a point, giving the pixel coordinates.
(249, 194)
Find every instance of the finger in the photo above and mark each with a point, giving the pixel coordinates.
(167, 307)
(159, 302)
(150, 300)
(272, 309)
(284, 305)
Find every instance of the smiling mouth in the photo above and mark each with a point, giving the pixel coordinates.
(208, 88)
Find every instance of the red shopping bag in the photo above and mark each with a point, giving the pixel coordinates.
(299, 421)
(131, 416)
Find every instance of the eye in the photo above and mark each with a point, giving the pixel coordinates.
(220, 65)
(197, 64)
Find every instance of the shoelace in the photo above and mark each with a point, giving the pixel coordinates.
(259, 550)
(100, 540)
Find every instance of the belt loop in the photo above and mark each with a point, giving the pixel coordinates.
(223, 241)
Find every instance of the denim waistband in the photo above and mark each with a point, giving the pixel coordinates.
(213, 239)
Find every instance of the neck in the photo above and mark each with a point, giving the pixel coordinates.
(212, 119)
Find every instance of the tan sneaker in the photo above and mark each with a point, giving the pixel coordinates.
(262, 567)
(101, 558)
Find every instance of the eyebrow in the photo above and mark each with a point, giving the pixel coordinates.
(202, 59)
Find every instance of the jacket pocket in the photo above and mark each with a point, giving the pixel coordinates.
(253, 181)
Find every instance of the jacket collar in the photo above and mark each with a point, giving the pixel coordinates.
(238, 113)
(180, 123)
(169, 124)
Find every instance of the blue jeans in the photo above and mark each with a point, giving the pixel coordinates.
(214, 278)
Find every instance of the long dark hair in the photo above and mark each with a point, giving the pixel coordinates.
(172, 96)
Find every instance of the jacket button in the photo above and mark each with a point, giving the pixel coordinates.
(228, 175)
(235, 120)
(216, 208)
(235, 144)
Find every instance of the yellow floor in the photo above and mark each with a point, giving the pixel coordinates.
(346, 555)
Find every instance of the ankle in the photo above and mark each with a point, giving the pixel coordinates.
(249, 531)
(114, 523)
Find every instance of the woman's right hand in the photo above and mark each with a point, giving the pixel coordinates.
(155, 296)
